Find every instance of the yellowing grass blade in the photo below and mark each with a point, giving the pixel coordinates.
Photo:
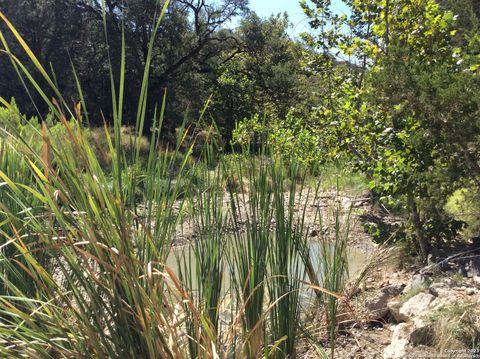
(38, 172)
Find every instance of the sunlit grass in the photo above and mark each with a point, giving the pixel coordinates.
(340, 176)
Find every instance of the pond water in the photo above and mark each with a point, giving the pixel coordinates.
(356, 260)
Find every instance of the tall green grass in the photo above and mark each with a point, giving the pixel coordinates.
(203, 265)
(285, 260)
(107, 296)
(83, 257)
(12, 216)
(248, 265)
(335, 270)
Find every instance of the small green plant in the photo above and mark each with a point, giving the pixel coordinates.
(457, 278)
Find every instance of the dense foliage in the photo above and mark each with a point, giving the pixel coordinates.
(197, 54)
(398, 96)
(408, 110)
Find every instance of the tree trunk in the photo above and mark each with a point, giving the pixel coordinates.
(417, 224)
(387, 26)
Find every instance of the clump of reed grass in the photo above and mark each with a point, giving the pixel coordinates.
(203, 265)
(248, 261)
(109, 294)
(334, 272)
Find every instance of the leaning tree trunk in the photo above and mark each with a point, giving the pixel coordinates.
(417, 224)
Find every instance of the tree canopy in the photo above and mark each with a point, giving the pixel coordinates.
(193, 41)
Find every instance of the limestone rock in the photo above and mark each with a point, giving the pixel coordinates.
(415, 333)
(422, 333)
(396, 350)
(400, 341)
(394, 308)
(377, 307)
(418, 280)
(402, 331)
(417, 305)
(393, 290)
(439, 290)
(441, 302)
(448, 282)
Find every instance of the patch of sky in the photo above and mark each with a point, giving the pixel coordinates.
(298, 19)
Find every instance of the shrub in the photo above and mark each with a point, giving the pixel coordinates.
(463, 205)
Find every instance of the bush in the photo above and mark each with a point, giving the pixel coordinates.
(464, 205)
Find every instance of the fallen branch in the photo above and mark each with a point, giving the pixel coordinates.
(455, 257)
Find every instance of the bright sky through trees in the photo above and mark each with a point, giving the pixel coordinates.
(266, 8)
